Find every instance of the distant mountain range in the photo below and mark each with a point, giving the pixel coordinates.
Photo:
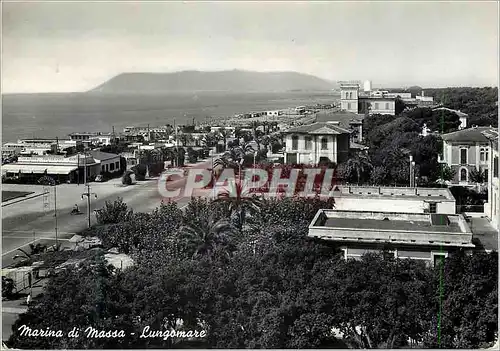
(220, 81)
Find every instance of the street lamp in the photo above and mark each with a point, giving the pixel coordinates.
(46, 180)
(88, 194)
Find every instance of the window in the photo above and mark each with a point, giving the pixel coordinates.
(295, 142)
(324, 144)
(432, 207)
(463, 175)
(438, 259)
(376, 106)
(486, 154)
(386, 105)
(102, 168)
(117, 164)
(486, 176)
(348, 105)
(481, 155)
(389, 254)
(308, 142)
(463, 156)
(111, 166)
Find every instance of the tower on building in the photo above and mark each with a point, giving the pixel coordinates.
(349, 95)
(367, 86)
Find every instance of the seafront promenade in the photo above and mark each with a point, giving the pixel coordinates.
(26, 221)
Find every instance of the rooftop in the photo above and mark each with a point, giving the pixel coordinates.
(474, 134)
(458, 112)
(102, 156)
(345, 119)
(491, 134)
(401, 228)
(393, 192)
(319, 128)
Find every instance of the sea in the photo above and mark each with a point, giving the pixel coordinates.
(53, 115)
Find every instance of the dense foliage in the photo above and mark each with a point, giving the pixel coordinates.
(478, 103)
(263, 285)
(391, 140)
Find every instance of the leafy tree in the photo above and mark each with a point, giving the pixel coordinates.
(8, 286)
(114, 212)
(140, 171)
(399, 106)
(478, 176)
(478, 103)
(446, 173)
(469, 301)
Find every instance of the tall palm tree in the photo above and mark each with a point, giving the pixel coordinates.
(224, 133)
(239, 202)
(204, 236)
(359, 164)
(255, 125)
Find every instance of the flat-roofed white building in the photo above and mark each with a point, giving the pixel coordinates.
(427, 237)
(392, 199)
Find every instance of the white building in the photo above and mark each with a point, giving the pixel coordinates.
(461, 115)
(317, 142)
(419, 236)
(394, 199)
(109, 163)
(376, 102)
(94, 138)
(492, 207)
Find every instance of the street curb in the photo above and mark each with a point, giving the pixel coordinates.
(23, 199)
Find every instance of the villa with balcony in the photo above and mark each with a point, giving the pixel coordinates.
(465, 151)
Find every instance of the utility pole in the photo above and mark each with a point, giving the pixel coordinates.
(88, 194)
(46, 180)
(55, 208)
(412, 172)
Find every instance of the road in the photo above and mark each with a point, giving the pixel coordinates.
(26, 221)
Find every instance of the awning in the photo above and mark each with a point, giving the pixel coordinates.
(37, 169)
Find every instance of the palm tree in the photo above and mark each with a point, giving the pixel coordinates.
(239, 202)
(225, 133)
(203, 237)
(359, 164)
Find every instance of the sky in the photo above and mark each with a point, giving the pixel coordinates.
(75, 46)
